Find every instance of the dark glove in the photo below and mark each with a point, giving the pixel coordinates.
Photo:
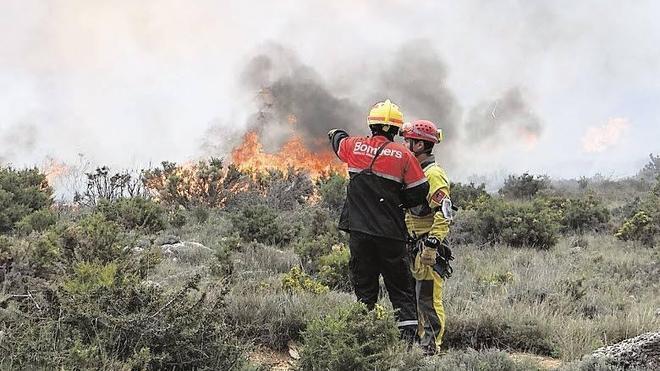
(332, 132)
(431, 242)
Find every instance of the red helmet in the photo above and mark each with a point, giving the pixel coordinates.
(421, 130)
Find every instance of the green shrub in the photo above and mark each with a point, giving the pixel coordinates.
(134, 213)
(201, 214)
(311, 249)
(177, 218)
(100, 317)
(262, 224)
(78, 299)
(332, 189)
(351, 338)
(334, 268)
(524, 186)
(258, 257)
(465, 195)
(644, 224)
(517, 224)
(22, 192)
(298, 281)
(276, 316)
(640, 227)
(580, 214)
(37, 221)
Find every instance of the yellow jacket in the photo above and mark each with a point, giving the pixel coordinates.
(428, 218)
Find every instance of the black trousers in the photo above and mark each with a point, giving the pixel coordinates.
(373, 256)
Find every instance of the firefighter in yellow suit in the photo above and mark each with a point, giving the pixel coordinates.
(429, 226)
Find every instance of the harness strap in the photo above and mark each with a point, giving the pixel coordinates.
(380, 149)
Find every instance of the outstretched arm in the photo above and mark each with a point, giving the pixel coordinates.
(336, 136)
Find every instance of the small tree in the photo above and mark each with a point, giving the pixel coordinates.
(524, 186)
(465, 195)
(22, 192)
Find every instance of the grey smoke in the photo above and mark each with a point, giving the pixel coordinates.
(415, 77)
(17, 140)
(289, 90)
(507, 116)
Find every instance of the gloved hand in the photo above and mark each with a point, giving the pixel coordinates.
(331, 133)
(428, 256)
(432, 242)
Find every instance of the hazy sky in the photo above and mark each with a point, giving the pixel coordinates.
(132, 82)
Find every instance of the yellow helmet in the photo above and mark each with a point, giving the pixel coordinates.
(385, 113)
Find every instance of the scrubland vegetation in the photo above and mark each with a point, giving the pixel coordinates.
(197, 266)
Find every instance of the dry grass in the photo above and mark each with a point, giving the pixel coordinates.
(564, 302)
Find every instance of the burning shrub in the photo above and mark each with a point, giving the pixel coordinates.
(22, 192)
(134, 213)
(465, 195)
(352, 338)
(101, 185)
(524, 186)
(206, 183)
(285, 190)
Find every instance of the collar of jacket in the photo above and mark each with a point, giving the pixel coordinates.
(429, 161)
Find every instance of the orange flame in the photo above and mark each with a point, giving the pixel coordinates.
(55, 170)
(249, 155)
(598, 139)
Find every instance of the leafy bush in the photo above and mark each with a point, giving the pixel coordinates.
(262, 224)
(334, 269)
(298, 281)
(332, 189)
(317, 236)
(352, 338)
(580, 214)
(465, 195)
(77, 298)
(276, 316)
(640, 227)
(644, 224)
(531, 224)
(37, 221)
(134, 213)
(100, 317)
(524, 186)
(651, 170)
(22, 192)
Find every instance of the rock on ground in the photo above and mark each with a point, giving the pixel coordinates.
(640, 351)
(187, 251)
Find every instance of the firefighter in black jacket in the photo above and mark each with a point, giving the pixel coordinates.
(385, 178)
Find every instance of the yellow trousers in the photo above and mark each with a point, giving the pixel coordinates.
(430, 311)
